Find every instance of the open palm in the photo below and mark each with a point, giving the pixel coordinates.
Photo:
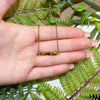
(19, 61)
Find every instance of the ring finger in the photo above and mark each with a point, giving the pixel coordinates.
(62, 58)
(66, 45)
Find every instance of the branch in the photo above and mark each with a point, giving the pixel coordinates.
(77, 91)
(24, 12)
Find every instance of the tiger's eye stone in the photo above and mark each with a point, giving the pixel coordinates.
(51, 53)
(42, 53)
(54, 53)
(48, 53)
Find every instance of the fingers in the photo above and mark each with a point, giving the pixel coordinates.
(5, 5)
(66, 45)
(42, 72)
(62, 58)
(49, 32)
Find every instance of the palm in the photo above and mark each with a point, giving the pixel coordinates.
(19, 61)
(18, 52)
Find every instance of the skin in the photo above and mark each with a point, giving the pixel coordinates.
(19, 61)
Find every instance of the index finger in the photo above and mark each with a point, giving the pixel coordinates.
(49, 32)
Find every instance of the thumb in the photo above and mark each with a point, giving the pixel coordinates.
(5, 5)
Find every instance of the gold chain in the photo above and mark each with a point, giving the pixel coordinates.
(57, 40)
(38, 40)
(47, 53)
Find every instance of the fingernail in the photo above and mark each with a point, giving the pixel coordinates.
(71, 66)
(94, 42)
(87, 34)
(89, 54)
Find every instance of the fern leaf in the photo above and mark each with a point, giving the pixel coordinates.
(20, 5)
(98, 36)
(27, 5)
(35, 97)
(62, 23)
(37, 4)
(93, 33)
(13, 9)
(90, 90)
(33, 18)
(96, 56)
(74, 79)
(14, 20)
(24, 19)
(51, 93)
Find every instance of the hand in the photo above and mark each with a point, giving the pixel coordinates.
(19, 61)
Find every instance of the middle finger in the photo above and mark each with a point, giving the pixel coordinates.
(66, 45)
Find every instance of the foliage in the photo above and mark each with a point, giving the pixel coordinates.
(81, 83)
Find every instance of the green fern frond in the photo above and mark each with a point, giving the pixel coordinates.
(74, 79)
(90, 90)
(62, 22)
(98, 36)
(30, 18)
(28, 4)
(15, 8)
(93, 33)
(34, 20)
(14, 20)
(35, 96)
(96, 56)
(51, 93)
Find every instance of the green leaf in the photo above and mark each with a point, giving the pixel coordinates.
(25, 96)
(11, 97)
(52, 19)
(83, 18)
(85, 15)
(18, 97)
(95, 15)
(35, 97)
(47, 94)
(93, 33)
(97, 25)
(12, 90)
(56, 10)
(27, 4)
(92, 19)
(52, 2)
(3, 90)
(20, 88)
(88, 13)
(80, 7)
(39, 88)
(98, 36)
(2, 97)
(52, 93)
(95, 6)
(30, 85)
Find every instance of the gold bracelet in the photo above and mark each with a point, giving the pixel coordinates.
(47, 53)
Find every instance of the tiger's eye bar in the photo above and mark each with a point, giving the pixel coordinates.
(47, 53)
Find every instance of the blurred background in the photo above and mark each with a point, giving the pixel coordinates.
(69, 11)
